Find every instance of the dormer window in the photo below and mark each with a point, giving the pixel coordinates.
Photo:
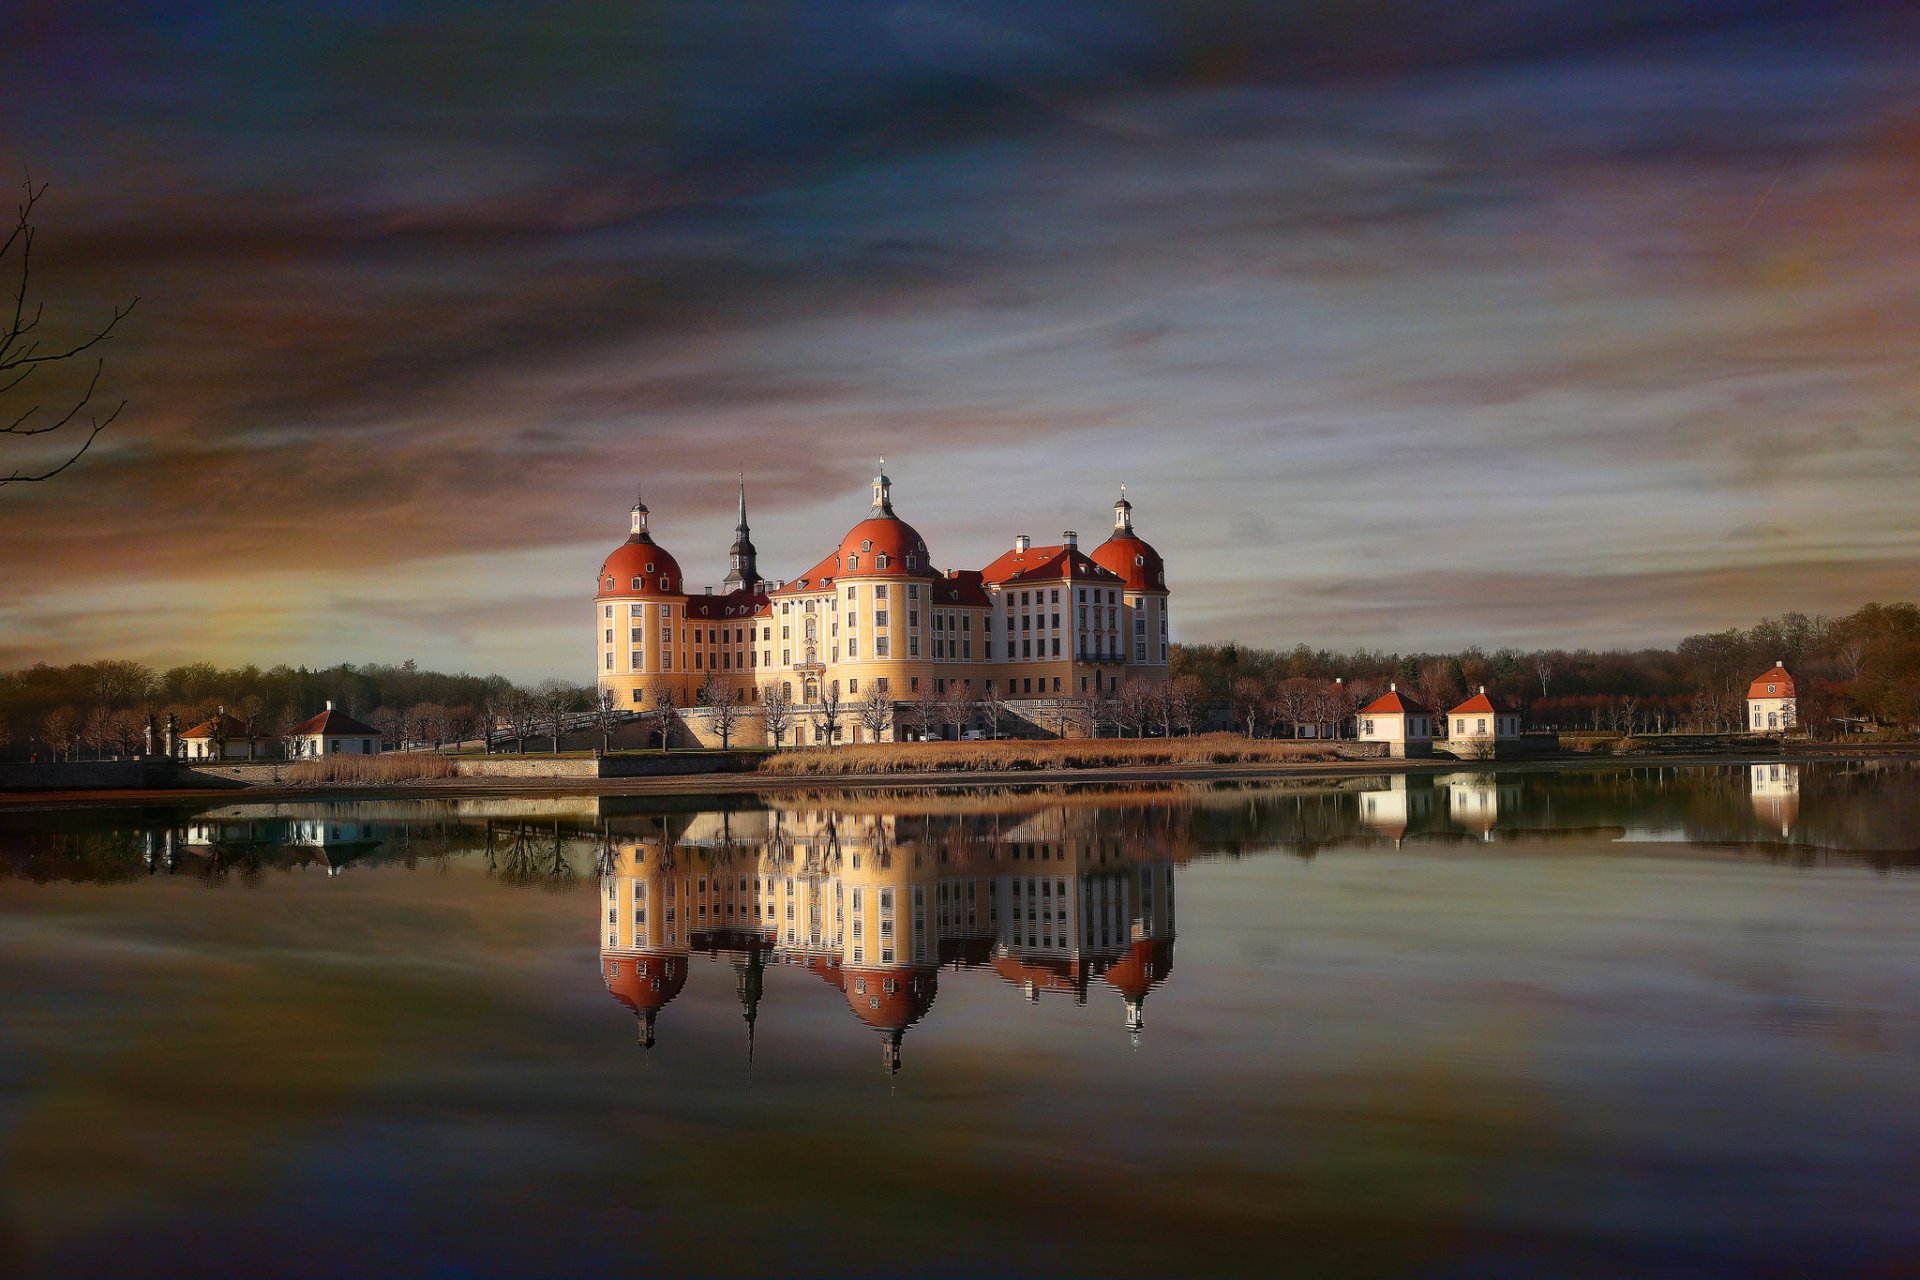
(866, 544)
(910, 559)
(649, 566)
(666, 584)
(1772, 688)
(609, 582)
(881, 562)
(1140, 560)
(853, 562)
(636, 583)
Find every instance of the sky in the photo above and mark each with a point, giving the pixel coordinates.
(1408, 326)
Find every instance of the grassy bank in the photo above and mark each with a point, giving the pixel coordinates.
(1011, 756)
(409, 766)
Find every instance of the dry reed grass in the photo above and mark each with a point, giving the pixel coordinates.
(1015, 756)
(406, 766)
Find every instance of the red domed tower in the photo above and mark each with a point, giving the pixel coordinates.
(640, 599)
(1145, 643)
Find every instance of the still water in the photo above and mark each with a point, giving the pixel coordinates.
(1623, 1021)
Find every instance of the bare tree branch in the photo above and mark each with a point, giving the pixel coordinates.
(21, 356)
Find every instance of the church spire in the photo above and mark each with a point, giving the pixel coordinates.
(743, 562)
(1123, 515)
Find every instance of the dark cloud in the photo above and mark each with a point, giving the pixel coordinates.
(422, 282)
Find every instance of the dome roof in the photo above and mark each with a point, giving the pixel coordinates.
(1145, 965)
(646, 981)
(861, 550)
(640, 567)
(1132, 557)
(893, 999)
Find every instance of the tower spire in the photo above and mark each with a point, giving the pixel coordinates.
(743, 566)
(640, 514)
(882, 493)
(1123, 514)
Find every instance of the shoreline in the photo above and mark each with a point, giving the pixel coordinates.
(737, 783)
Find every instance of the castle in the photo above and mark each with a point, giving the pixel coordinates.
(876, 619)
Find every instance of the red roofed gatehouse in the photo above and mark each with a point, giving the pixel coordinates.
(1771, 701)
(1482, 726)
(1404, 725)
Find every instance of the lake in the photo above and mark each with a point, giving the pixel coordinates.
(1645, 1021)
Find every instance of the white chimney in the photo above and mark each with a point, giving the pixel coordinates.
(329, 704)
(1022, 542)
(1072, 540)
(1392, 687)
(1483, 688)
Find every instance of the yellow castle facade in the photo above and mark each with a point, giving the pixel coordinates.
(876, 619)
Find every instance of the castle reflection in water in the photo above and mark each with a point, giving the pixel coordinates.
(1060, 892)
(1063, 902)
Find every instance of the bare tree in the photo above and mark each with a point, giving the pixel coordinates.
(1184, 695)
(1292, 701)
(487, 719)
(253, 720)
(553, 700)
(874, 711)
(96, 730)
(1134, 707)
(523, 717)
(993, 710)
(1249, 699)
(776, 712)
(723, 713)
(662, 715)
(606, 717)
(22, 356)
(1543, 667)
(928, 712)
(831, 711)
(59, 728)
(957, 705)
(1852, 655)
(284, 724)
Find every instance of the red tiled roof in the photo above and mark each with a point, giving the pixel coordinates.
(1481, 704)
(333, 722)
(962, 586)
(642, 558)
(895, 1010)
(734, 604)
(1045, 564)
(1776, 676)
(1134, 559)
(229, 728)
(1394, 702)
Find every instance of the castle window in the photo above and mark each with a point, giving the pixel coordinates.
(880, 561)
(866, 544)
(636, 583)
(909, 559)
(853, 562)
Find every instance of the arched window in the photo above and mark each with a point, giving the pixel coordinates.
(636, 583)
(853, 562)
(609, 582)
(880, 562)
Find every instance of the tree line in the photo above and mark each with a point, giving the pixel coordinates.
(1857, 671)
(1861, 670)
